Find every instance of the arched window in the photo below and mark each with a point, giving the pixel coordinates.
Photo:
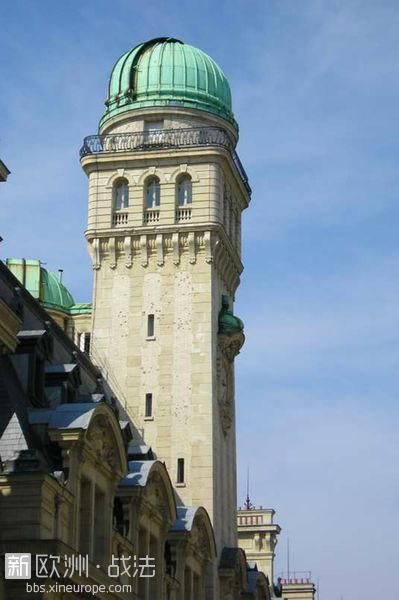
(184, 191)
(152, 194)
(121, 195)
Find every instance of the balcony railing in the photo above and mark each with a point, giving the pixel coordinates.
(163, 140)
(119, 219)
(151, 215)
(295, 577)
(183, 214)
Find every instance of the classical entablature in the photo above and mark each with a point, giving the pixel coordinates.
(190, 245)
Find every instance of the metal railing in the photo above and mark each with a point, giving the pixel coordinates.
(162, 140)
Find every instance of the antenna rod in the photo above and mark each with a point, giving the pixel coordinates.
(288, 559)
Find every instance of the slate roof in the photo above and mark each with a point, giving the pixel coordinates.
(14, 424)
(185, 518)
(138, 473)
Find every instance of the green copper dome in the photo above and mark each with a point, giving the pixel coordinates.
(167, 72)
(45, 286)
(53, 293)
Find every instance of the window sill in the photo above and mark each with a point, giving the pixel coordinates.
(148, 418)
(179, 485)
(150, 338)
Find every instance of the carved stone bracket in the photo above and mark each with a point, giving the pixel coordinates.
(112, 253)
(197, 245)
(94, 250)
(208, 246)
(191, 247)
(159, 245)
(176, 249)
(144, 250)
(128, 251)
(228, 348)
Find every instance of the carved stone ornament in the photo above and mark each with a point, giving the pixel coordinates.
(100, 440)
(225, 391)
(203, 543)
(231, 344)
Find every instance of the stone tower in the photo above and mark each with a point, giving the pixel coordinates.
(166, 193)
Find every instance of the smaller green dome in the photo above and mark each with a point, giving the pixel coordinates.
(229, 324)
(167, 72)
(45, 286)
(53, 293)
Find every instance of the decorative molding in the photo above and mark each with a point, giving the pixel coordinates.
(208, 245)
(184, 168)
(128, 251)
(119, 174)
(144, 250)
(176, 248)
(159, 246)
(191, 247)
(112, 253)
(225, 391)
(94, 249)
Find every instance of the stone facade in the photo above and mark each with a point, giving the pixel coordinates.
(257, 536)
(117, 420)
(69, 480)
(176, 267)
(297, 588)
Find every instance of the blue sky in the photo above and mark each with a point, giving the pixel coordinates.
(316, 93)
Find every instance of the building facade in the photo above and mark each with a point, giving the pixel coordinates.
(257, 536)
(166, 193)
(130, 451)
(70, 482)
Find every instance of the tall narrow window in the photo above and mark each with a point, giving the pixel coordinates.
(100, 530)
(148, 405)
(87, 343)
(121, 195)
(153, 193)
(180, 470)
(184, 191)
(150, 326)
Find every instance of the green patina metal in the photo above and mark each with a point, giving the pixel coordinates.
(81, 308)
(229, 324)
(53, 293)
(167, 72)
(46, 286)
